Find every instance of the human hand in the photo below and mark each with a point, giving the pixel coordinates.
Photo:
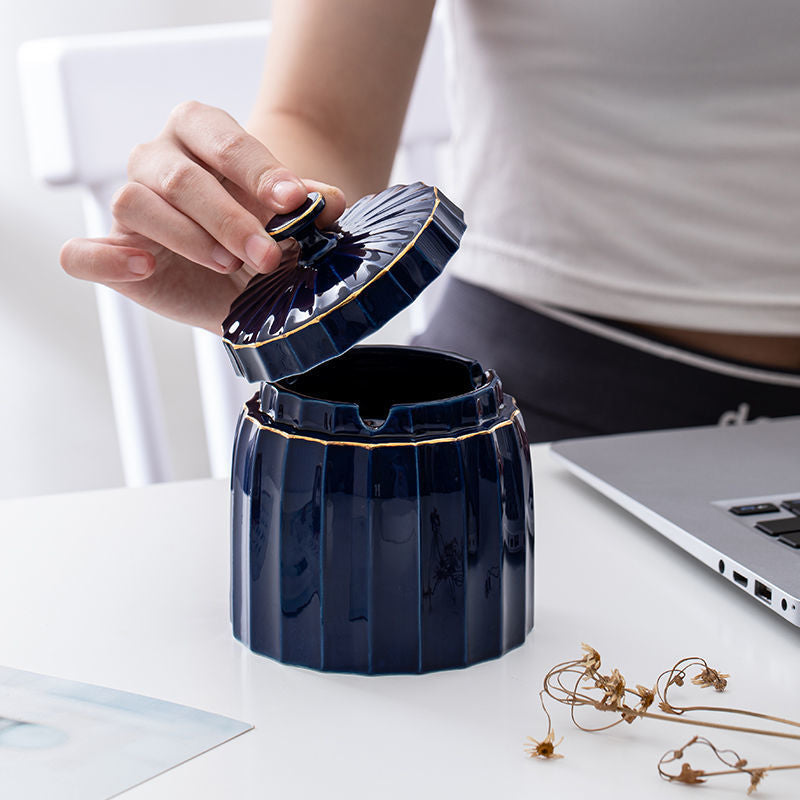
(188, 231)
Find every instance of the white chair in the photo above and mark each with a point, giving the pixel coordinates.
(88, 101)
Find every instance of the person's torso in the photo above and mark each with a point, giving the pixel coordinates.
(635, 159)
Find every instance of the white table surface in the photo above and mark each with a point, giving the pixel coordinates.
(128, 588)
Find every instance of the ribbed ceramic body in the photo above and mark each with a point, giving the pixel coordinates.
(382, 516)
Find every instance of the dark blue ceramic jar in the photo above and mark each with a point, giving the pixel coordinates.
(382, 514)
(382, 509)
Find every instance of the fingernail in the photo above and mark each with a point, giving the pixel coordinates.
(222, 257)
(284, 191)
(138, 265)
(259, 250)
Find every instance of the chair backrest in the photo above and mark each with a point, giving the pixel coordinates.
(87, 102)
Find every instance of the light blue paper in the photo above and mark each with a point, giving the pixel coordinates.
(62, 740)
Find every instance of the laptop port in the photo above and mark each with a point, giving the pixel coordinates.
(763, 592)
(740, 579)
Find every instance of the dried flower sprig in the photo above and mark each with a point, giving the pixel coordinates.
(580, 683)
(546, 747)
(729, 758)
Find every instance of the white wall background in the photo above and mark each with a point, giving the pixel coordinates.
(56, 425)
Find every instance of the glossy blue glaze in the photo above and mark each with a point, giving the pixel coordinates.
(339, 286)
(382, 516)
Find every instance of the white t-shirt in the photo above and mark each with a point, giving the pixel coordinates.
(635, 159)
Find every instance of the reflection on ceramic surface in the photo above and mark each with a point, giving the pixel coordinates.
(382, 515)
(340, 285)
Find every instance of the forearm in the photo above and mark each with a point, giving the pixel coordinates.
(311, 152)
(336, 87)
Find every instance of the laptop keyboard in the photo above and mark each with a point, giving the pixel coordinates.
(786, 528)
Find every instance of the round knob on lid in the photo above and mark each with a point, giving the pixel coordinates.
(299, 225)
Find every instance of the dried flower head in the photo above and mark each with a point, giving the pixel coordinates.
(647, 697)
(710, 677)
(688, 775)
(677, 679)
(592, 658)
(756, 776)
(613, 687)
(544, 749)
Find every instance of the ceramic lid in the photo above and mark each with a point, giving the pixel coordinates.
(342, 284)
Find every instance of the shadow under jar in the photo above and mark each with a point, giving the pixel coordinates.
(383, 515)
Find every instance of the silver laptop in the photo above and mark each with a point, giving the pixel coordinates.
(729, 496)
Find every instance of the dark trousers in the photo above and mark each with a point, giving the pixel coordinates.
(570, 382)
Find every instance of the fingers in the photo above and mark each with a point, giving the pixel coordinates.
(215, 138)
(137, 208)
(334, 201)
(223, 181)
(180, 291)
(189, 190)
(199, 194)
(100, 261)
(219, 141)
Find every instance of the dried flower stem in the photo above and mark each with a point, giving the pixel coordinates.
(546, 747)
(736, 771)
(742, 712)
(722, 725)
